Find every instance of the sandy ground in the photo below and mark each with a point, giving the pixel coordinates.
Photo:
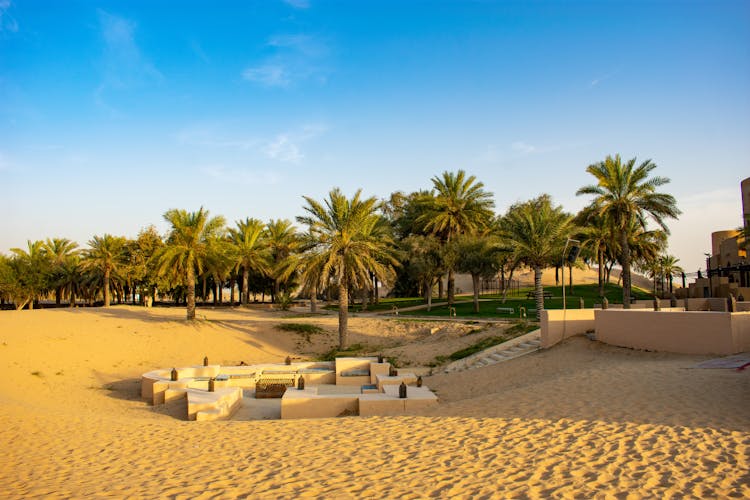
(579, 420)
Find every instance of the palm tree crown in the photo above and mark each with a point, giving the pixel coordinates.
(187, 246)
(459, 205)
(250, 251)
(105, 255)
(625, 194)
(349, 243)
(536, 231)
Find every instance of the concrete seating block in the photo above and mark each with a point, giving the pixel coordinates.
(380, 404)
(378, 369)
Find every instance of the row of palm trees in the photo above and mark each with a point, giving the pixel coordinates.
(349, 246)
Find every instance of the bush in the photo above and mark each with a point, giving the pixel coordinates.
(304, 329)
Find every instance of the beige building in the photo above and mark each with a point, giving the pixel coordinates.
(728, 267)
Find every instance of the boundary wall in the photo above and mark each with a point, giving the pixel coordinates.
(669, 330)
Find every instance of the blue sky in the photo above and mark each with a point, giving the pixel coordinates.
(113, 112)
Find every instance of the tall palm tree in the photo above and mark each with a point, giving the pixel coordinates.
(187, 245)
(597, 239)
(536, 230)
(59, 251)
(459, 205)
(250, 251)
(283, 242)
(669, 268)
(347, 246)
(30, 268)
(624, 193)
(104, 257)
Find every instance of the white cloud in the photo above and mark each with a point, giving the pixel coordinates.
(522, 147)
(281, 148)
(7, 22)
(596, 81)
(270, 75)
(295, 58)
(123, 64)
(305, 44)
(285, 147)
(298, 4)
(198, 51)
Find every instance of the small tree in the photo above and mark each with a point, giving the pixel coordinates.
(480, 257)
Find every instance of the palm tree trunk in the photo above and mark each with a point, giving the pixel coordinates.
(625, 269)
(428, 293)
(72, 301)
(475, 284)
(377, 292)
(451, 288)
(600, 262)
(440, 288)
(276, 289)
(539, 292)
(106, 288)
(231, 291)
(190, 292)
(314, 299)
(245, 285)
(343, 313)
(58, 295)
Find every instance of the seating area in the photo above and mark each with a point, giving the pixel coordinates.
(347, 386)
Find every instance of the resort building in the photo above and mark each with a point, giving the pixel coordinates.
(728, 267)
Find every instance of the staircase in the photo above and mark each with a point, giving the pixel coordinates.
(514, 348)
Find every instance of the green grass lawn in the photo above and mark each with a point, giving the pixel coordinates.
(488, 308)
(386, 304)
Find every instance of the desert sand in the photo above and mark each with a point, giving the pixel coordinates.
(578, 420)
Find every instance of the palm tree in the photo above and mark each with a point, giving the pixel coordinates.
(59, 251)
(283, 241)
(186, 247)
(480, 256)
(624, 193)
(669, 268)
(249, 250)
(459, 205)
(596, 239)
(71, 278)
(29, 272)
(536, 231)
(347, 247)
(105, 255)
(425, 261)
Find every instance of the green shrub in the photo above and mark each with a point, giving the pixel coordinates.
(304, 329)
(285, 301)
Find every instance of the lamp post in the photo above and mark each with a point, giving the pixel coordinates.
(571, 257)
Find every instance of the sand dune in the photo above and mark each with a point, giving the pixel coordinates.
(579, 420)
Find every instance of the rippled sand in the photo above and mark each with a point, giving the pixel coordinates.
(579, 420)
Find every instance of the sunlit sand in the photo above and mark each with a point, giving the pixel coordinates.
(580, 419)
